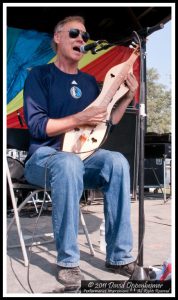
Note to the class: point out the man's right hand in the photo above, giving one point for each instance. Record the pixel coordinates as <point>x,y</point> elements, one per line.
<point>92,115</point>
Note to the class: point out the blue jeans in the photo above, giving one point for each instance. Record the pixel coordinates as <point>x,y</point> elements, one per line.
<point>67,176</point>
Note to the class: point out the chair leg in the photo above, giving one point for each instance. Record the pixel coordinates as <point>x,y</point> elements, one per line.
<point>14,204</point>
<point>34,202</point>
<point>21,206</point>
<point>86,233</point>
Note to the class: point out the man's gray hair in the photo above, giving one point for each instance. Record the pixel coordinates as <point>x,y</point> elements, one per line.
<point>60,25</point>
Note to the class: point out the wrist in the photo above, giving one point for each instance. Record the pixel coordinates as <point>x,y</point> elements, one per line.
<point>130,95</point>
<point>77,119</point>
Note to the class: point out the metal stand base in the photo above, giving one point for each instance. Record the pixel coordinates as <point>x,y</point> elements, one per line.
<point>140,274</point>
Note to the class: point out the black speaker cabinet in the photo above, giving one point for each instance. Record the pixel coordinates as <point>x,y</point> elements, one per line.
<point>123,138</point>
<point>157,150</point>
<point>153,172</point>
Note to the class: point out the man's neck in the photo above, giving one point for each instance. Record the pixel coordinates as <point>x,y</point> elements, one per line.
<point>66,67</point>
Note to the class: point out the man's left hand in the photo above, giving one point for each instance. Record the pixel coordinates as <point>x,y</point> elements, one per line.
<point>132,84</point>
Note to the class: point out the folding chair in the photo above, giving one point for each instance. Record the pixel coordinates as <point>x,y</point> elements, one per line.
<point>19,139</point>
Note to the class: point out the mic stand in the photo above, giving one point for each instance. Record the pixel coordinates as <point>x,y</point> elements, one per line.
<point>139,273</point>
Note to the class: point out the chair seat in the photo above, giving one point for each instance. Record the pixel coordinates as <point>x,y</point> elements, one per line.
<point>18,185</point>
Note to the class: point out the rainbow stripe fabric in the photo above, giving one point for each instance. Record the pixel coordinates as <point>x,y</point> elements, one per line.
<point>29,48</point>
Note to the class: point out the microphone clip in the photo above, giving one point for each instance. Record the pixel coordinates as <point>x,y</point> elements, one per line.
<point>102,47</point>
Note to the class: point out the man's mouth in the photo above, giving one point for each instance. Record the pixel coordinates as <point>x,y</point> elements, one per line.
<point>76,49</point>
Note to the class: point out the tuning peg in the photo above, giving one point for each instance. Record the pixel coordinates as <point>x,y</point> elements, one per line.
<point>133,43</point>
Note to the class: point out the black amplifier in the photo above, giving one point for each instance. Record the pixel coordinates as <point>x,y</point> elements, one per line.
<point>157,150</point>
<point>157,138</point>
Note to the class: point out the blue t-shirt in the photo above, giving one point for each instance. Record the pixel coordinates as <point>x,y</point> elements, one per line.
<point>51,93</point>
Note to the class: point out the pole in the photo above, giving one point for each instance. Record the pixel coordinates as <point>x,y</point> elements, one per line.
<point>140,273</point>
<point>142,116</point>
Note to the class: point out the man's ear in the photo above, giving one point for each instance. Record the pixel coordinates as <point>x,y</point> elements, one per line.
<point>56,38</point>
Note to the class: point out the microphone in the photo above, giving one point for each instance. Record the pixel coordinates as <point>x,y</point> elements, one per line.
<point>149,30</point>
<point>91,46</point>
<point>20,118</point>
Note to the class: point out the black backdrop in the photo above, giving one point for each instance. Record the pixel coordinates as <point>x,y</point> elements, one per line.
<point>110,23</point>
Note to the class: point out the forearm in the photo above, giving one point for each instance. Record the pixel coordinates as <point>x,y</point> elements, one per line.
<point>58,126</point>
<point>120,109</point>
<point>90,116</point>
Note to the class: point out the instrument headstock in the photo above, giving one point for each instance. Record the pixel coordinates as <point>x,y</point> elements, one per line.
<point>135,47</point>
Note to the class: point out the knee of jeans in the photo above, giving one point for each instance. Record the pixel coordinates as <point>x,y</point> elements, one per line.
<point>118,161</point>
<point>70,165</point>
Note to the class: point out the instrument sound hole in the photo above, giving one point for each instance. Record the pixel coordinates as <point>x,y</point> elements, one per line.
<point>112,75</point>
<point>94,140</point>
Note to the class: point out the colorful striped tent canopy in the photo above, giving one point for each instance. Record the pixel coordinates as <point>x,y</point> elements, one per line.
<point>29,48</point>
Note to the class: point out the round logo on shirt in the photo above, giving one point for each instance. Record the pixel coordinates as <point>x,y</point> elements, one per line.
<point>75,92</point>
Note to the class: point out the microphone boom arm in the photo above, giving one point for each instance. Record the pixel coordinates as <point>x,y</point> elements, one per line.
<point>102,47</point>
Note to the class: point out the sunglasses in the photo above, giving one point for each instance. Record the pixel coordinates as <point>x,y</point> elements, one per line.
<point>74,33</point>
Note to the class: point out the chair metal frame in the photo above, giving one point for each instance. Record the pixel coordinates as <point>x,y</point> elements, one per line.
<point>14,143</point>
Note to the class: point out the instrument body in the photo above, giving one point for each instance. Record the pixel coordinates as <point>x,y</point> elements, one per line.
<point>84,140</point>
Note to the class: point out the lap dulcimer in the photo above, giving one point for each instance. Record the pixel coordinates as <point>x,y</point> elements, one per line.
<point>84,140</point>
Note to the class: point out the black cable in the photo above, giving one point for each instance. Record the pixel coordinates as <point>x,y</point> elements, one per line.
<point>17,276</point>
<point>36,223</point>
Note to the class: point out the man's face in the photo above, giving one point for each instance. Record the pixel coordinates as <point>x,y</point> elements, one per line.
<point>69,47</point>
